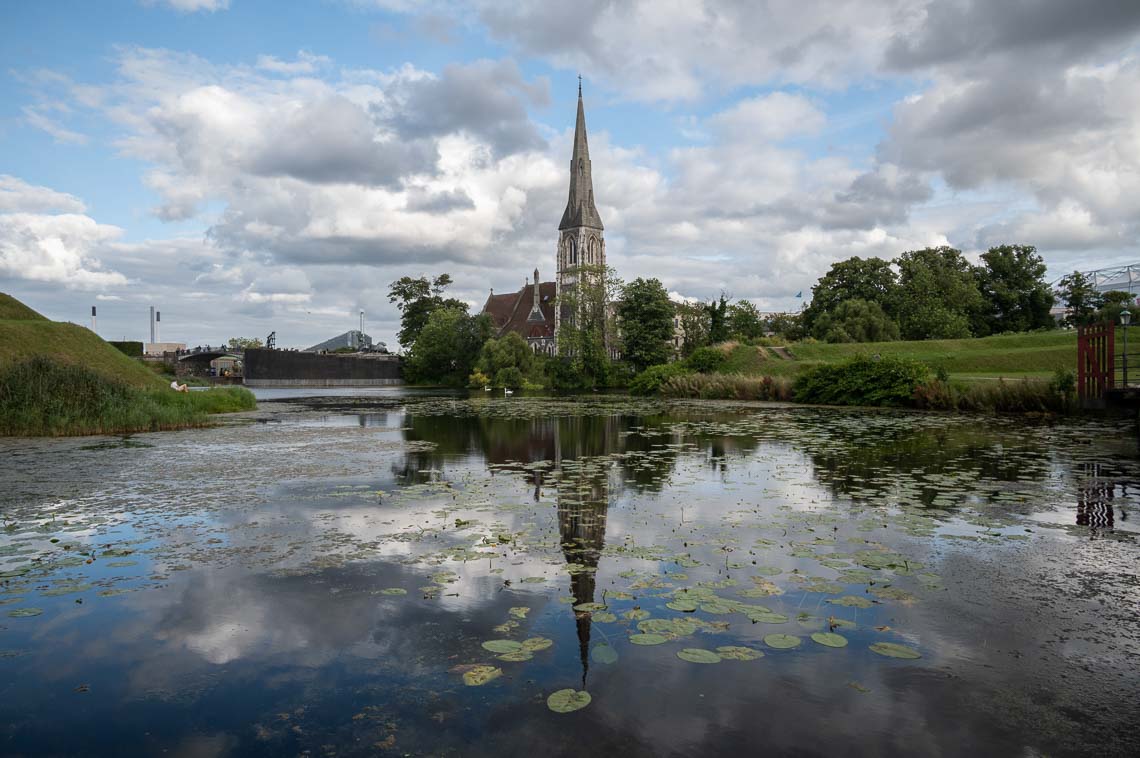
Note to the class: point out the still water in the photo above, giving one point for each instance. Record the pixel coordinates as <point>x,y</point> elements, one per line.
<point>402,573</point>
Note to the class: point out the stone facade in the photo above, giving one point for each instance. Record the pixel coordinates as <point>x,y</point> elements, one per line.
<point>531,312</point>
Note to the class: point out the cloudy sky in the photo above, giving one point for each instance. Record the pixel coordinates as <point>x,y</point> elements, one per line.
<point>249,165</point>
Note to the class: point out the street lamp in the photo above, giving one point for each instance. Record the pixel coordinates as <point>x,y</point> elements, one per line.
<point>1125,319</point>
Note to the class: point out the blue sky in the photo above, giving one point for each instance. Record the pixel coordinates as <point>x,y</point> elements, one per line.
<point>249,166</point>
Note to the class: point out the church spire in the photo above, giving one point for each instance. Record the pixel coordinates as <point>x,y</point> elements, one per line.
<point>580,208</point>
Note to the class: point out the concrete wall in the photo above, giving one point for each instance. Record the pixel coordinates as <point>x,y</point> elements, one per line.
<point>285,368</point>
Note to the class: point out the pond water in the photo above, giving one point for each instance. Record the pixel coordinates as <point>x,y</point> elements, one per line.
<point>422,574</point>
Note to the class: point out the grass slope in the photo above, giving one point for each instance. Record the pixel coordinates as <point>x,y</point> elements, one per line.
<point>12,309</point>
<point>22,339</point>
<point>1035,354</point>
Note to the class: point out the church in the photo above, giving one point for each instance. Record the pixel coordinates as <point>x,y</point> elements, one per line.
<point>531,312</point>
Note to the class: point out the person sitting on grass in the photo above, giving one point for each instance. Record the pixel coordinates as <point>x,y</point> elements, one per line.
<point>179,387</point>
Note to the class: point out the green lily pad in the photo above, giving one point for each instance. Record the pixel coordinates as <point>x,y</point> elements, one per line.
<point>718,608</point>
<point>20,613</point>
<point>894,650</point>
<point>586,607</point>
<point>533,580</point>
<point>394,591</point>
<point>565,701</point>
<point>603,653</point>
<point>516,656</point>
<point>534,644</point>
<point>851,601</point>
<point>636,614</point>
<point>782,641</point>
<point>604,617</point>
<point>830,639</point>
<point>767,617</point>
<point>684,606</point>
<point>120,564</point>
<point>648,639</point>
<point>698,655</point>
<point>738,653</point>
<point>519,612</point>
<point>502,646</point>
<point>481,675</point>
<point>9,573</point>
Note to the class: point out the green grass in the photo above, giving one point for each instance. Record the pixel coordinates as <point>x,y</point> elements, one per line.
<point>21,340</point>
<point>1030,355</point>
<point>12,309</point>
<point>45,397</point>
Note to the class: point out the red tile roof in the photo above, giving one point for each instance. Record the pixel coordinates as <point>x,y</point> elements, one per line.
<point>509,312</point>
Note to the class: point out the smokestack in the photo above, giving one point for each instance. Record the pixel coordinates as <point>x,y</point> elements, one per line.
<point>152,340</point>
<point>362,328</point>
<point>157,321</point>
<point>93,323</point>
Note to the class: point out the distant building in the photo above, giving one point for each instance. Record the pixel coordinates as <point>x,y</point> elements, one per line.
<point>157,349</point>
<point>353,338</point>
<point>531,312</point>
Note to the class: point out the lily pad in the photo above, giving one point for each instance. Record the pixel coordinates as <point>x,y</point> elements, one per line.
<point>481,675</point>
<point>895,650</point>
<point>738,653</point>
<point>684,606</point>
<point>502,646</point>
<point>698,655</point>
<point>603,653</point>
<point>516,656</point>
<point>20,613</point>
<point>636,614</point>
<point>830,639</point>
<point>394,591</point>
<point>586,607</point>
<point>604,617</point>
<point>565,701</point>
<point>519,612</point>
<point>851,601</point>
<point>767,617</point>
<point>782,641</point>
<point>648,639</point>
<point>534,644</point>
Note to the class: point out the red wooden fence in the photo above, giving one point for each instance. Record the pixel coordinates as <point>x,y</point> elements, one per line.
<point>1096,360</point>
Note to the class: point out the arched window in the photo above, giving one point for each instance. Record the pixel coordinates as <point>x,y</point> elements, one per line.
<point>571,252</point>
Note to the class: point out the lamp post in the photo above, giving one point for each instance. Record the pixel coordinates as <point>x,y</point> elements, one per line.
<point>1125,319</point>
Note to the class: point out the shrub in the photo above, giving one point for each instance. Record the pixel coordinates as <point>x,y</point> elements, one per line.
<point>478,380</point>
<point>706,360</point>
<point>727,387</point>
<point>45,397</point>
<point>862,381</point>
<point>649,381</point>
<point>1001,396</point>
<point>509,377</point>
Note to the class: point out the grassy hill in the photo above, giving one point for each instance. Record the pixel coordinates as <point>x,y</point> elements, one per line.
<point>1031,355</point>
<point>24,336</point>
<point>62,379</point>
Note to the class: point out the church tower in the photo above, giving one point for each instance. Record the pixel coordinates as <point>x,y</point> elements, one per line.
<point>580,235</point>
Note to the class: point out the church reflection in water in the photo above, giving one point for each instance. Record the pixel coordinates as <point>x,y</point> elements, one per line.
<point>582,473</point>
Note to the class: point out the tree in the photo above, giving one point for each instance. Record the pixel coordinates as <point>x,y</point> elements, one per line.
<point>1081,297</point>
<point>695,325</point>
<point>587,330</point>
<point>242,343</point>
<point>1113,303</point>
<point>447,346</point>
<point>1012,281</point>
<point>938,295</point>
<point>718,319</point>
<point>645,316</point>
<point>509,352</point>
<point>788,326</point>
<point>416,299</point>
<point>870,279</point>
<point>856,321</point>
<point>745,321</point>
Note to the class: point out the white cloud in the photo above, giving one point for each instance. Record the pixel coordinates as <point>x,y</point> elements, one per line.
<point>192,6</point>
<point>18,195</point>
<point>56,249</point>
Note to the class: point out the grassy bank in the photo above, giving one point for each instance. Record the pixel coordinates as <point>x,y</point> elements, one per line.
<point>1030,355</point>
<point>43,397</point>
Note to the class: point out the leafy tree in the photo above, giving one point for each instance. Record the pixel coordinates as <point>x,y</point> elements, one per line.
<point>587,330</point>
<point>694,324</point>
<point>509,352</point>
<point>938,295</point>
<point>645,315</point>
<point>788,326</point>
<point>509,377</point>
<point>856,321</point>
<point>1081,297</point>
<point>447,347</point>
<point>1012,281</point>
<point>416,299</point>
<point>1115,302</point>
<point>718,319</point>
<point>745,321</point>
<point>241,343</point>
<point>870,279</point>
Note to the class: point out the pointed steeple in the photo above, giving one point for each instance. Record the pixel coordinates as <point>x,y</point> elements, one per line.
<point>580,208</point>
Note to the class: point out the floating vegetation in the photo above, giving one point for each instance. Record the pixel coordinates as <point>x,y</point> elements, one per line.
<point>782,641</point>
<point>21,613</point>
<point>604,654</point>
<point>894,650</point>
<point>698,655</point>
<point>481,674</point>
<point>645,639</point>
<point>565,701</point>
<point>394,591</point>
<point>829,639</point>
<point>502,646</point>
<point>738,653</point>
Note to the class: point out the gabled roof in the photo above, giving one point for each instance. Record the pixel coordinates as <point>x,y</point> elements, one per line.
<point>511,312</point>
